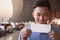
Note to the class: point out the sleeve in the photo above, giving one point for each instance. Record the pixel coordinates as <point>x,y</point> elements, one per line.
<point>20,37</point>
<point>55,27</point>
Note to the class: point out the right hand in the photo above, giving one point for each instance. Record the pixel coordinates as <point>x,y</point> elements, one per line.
<point>26,33</point>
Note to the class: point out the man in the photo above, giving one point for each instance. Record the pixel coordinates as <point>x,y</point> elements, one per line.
<point>21,26</point>
<point>41,12</point>
<point>9,28</point>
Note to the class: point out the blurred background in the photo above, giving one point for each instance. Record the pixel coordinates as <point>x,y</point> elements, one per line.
<point>16,14</point>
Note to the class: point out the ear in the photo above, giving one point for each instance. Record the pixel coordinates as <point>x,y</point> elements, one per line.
<point>33,14</point>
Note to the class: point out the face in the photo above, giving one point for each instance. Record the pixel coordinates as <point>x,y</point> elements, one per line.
<point>41,15</point>
<point>21,26</point>
<point>9,27</point>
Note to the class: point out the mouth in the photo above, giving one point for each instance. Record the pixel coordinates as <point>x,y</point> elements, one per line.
<point>41,22</point>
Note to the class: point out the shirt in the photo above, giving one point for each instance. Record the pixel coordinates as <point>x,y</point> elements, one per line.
<point>41,36</point>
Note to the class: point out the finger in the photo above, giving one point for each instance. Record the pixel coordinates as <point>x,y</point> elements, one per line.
<point>52,33</point>
<point>24,29</point>
<point>51,36</point>
<point>24,35</point>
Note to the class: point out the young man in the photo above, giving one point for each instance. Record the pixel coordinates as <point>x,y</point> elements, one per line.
<point>41,12</point>
<point>21,26</point>
<point>9,28</point>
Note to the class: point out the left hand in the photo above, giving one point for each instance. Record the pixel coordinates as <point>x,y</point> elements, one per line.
<point>54,35</point>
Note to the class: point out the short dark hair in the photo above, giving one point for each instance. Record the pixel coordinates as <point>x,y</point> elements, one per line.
<point>41,3</point>
<point>8,25</point>
<point>21,24</point>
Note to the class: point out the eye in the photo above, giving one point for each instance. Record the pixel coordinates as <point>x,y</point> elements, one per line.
<point>38,14</point>
<point>46,14</point>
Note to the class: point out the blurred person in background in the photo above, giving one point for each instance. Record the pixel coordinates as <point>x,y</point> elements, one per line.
<point>9,28</point>
<point>21,26</point>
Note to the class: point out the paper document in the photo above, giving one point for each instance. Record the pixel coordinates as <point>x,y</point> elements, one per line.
<point>42,28</point>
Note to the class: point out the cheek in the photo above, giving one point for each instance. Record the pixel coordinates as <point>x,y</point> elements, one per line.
<point>37,18</point>
<point>9,27</point>
<point>45,19</point>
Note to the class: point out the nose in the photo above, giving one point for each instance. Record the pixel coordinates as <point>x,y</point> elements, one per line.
<point>41,17</point>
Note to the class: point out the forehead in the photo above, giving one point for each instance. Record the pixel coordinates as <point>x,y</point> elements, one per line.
<point>9,26</point>
<point>41,10</point>
<point>21,25</point>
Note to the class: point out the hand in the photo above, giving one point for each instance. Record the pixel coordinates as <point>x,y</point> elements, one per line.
<point>54,35</point>
<point>26,33</point>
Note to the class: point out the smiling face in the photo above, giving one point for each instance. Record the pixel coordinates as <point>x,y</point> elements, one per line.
<point>41,15</point>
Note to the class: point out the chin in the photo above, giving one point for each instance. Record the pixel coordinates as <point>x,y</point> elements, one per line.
<point>40,23</point>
